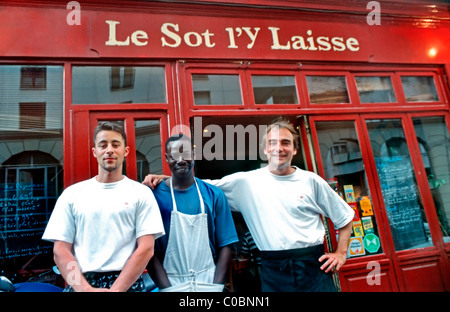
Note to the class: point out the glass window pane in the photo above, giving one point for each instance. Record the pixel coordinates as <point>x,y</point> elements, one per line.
<point>31,161</point>
<point>216,89</point>
<point>434,141</point>
<point>344,171</point>
<point>402,200</point>
<point>118,84</point>
<point>148,148</point>
<point>274,89</point>
<point>30,109</point>
<point>375,89</point>
<point>327,89</point>
<point>419,89</point>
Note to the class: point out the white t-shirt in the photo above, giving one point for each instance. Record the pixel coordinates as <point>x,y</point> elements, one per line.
<point>284,212</point>
<point>103,221</point>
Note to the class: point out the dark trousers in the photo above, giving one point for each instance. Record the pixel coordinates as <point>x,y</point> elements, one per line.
<point>106,279</point>
<point>295,270</point>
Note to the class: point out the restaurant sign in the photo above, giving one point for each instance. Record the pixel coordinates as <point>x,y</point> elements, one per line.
<point>207,37</point>
<point>45,32</point>
<point>171,37</point>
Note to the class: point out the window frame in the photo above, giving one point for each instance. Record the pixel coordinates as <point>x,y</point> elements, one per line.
<point>437,85</point>
<point>189,87</point>
<point>246,70</point>
<point>157,105</point>
<point>349,82</point>
<point>395,87</point>
<point>271,72</point>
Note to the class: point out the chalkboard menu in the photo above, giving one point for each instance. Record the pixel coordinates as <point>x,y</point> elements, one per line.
<point>401,200</point>
<point>24,211</point>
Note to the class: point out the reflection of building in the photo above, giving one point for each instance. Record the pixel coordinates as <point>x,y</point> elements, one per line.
<point>117,84</point>
<point>31,157</point>
<point>31,98</point>
<point>343,158</point>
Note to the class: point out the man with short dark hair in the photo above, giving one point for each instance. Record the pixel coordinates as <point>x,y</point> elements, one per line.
<point>104,228</point>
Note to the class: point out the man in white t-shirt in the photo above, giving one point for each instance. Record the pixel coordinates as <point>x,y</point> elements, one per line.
<point>282,206</point>
<point>104,228</point>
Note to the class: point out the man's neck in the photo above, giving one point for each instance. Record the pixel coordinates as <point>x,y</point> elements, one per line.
<point>282,171</point>
<point>109,177</point>
<point>182,183</point>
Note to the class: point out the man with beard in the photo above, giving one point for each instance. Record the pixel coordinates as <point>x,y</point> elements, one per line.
<point>282,206</point>
<point>195,254</point>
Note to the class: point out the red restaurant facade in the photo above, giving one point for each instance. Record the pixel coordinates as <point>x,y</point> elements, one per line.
<point>366,84</point>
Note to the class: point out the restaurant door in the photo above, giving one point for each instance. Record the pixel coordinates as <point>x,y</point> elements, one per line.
<point>394,171</point>
<point>146,132</point>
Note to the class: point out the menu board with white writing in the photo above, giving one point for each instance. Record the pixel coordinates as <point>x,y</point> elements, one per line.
<point>401,200</point>
<point>24,214</point>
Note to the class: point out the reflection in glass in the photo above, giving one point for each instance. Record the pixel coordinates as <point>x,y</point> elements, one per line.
<point>31,160</point>
<point>434,141</point>
<point>375,89</point>
<point>419,89</point>
<point>402,200</point>
<point>31,104</point>
<point>274,90</point>
<point>118,84</point>
<point>345,173</point>
<point>327,89</point>
<point>216,89</point>
<point>33,77</point>
<point>148,148</point>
